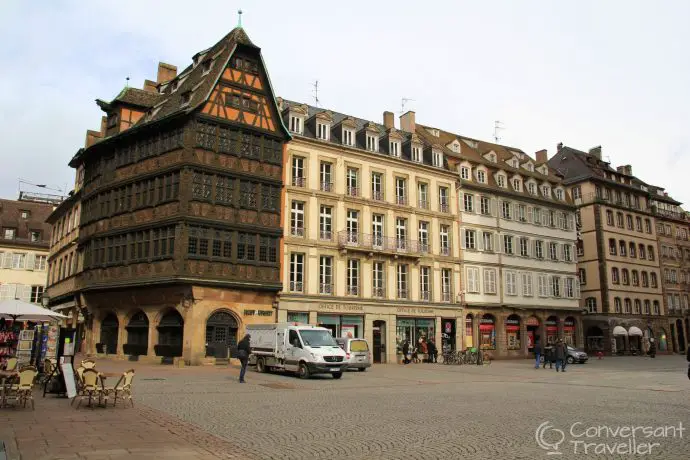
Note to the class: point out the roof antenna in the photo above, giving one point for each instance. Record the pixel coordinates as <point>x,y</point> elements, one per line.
<point>316,93</point>
<point>127,82</point>
<point>404,101</point>
<point>497,127</point>
<point>239,18</point>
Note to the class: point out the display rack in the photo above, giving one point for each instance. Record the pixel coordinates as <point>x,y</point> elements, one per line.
<point>8,346</point>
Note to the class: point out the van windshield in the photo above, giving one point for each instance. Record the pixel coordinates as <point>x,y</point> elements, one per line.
<point>317,338</point>
<point>358,345</point>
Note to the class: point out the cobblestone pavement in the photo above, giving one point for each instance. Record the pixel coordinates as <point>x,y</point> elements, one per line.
<point>420,411</point>
<point>428,411</point>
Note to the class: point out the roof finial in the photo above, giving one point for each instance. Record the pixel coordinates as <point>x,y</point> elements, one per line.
<point>239,18</point>
<point>127,82</point>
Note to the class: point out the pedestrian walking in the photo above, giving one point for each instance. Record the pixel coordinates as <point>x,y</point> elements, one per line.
<point>548,356</point>
<point>243,351</point>
<point>537,354</point>
<point>559,354</point>
<point>652,348</point>
<point>432,350</point>
<point>565,355</point>
<point>406,351</point>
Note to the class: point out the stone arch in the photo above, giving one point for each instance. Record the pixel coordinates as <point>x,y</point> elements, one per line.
<point>680,331</point>
<point>570,331</point>
<point>137,327</point>
<point>170,326</point>
<point>513,326</point>
<point>663,340</point>
<point>551,329</point>
<point>487,332</point>
<point>222,329</point>
<point>109,333</point>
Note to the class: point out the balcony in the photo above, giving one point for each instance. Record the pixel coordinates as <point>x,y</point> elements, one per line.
<point>401,200</point>
<point>327,186</point>
<point>444,207</point>
<point>370,243</point>
<point>326,235</point>
<point>446,296</point>
<point>379,292</point>
<point>297,232</point>
<point>299,181</point>
<point>425,296</point>
<point>377,195</point>
<point>402,293</point>
<point>423,204</point>
<point>353,191</point>
<point>424,247</point>
<point>352,290</point>
<point>296,286</point>
<point>445,250</point>
<point>326,289</point>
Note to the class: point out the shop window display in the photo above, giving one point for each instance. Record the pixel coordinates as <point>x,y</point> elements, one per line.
<point>512,324</point>
<point>413,329</point>
<point>551,330</point>
<point>532,324</point>
<point>343,325</point>
<point>469,331</point>
<point>298,317</point>
<point>569,331</point>
<point>487,332</point>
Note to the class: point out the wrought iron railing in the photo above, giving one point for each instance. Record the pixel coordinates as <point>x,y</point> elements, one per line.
<point>297,231</point>
<point>296,286</point>
<point>401,200</point>
<point>378,292</point>
<point>299,181</point>
<point>326,235</point>
<point>326,186</point>
<point>326,289</point>
<point>357,240</point>
<point>377,195</point>
<point>423,204</point>
<point>353,191</point>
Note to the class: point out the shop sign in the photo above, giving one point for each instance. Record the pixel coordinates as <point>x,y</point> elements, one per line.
<point>448,327</point>
<point>405,322</point>
<point>513,322</point>
<point>416,311</point>
<point>512,325</point>
<point>258,312</point>
<point>425,323</point>
<point>569,325</point>
<point>486,321</point>
<point>532,321</point>
<point>550,322</point>
<point>340,307</point>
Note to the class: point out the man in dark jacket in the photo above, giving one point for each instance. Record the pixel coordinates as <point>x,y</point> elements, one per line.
<point>652,348</point>
<point>243,351</point>
<point>432,350</point>
<point>537,354</point>
<point>549,355</point>
<point>559,352</point>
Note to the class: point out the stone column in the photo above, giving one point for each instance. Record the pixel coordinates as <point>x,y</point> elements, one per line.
<point>153,337</point>
<point>391,344</point>
<point>369,330</point>
<point>523,336</point>
<point>313,318</point>
<point>121,334</point>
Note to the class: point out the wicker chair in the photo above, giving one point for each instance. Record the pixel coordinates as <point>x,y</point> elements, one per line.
<point>11,364</point>
<point>122,389</point>
<point>22,391</point>
<point>88,363</point>
<point>92,387</point>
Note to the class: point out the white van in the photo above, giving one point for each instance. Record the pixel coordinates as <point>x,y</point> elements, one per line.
<point>295,347</point>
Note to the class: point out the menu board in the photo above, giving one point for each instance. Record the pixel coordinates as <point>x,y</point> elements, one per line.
<point>68,374</point>
<point>25,345</point>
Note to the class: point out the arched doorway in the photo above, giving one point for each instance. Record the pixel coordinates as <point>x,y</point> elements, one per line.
<point>635,339</point>
<point>551,329</point>
<point>569,332</point>
<point>469,331</point>
<point>109,332</point>
<point>512,326</point>
<point>595,339</point>
<point>533,336</point>
<point>663,341</point>
<point>620,338</point>
<point>221,333</point>
<point>680,330</point>
<point>170,333</point>
<point>379,344</point>
<point>487,332</point>
<point>137,335</point>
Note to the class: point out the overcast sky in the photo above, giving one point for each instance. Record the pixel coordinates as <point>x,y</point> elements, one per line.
<point>585,73</point>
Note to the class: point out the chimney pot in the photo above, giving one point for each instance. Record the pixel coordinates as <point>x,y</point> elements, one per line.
<point>166,72</point>
<point>388,120</point>
<point>150,86</point>
<point>407,122</point>
<point>559,146</point>
<point>542,155</point>
<point>596,152</point>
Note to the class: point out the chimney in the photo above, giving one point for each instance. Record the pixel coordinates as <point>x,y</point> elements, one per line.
<point>596,152</point>
<point>407,123</point>
<point>542,156</point>
<point>166,72</point>
<point>388,120</point>
<point>559,147</point>
<point>150,86</point>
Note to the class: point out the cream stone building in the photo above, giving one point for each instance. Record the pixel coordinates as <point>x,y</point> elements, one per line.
<point>370,227</point>
<point>517,241</point>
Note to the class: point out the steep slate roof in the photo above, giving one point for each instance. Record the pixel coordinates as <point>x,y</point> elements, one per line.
<point>360,124</point>
<point>138,97</point>
<point>10,217</point>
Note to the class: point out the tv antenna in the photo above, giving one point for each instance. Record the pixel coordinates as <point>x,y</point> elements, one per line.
<point>316,93</point>
<point>498,126</point>
<point>404,101</point>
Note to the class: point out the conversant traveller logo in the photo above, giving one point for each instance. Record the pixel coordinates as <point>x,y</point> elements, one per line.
<point>604,439</point>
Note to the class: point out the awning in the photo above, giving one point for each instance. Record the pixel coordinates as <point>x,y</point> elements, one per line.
<point>19,310</point>
<point>618,330</point>
<point>635,331</point>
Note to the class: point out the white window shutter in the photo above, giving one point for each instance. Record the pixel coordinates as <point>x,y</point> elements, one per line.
<point>492,207</point>
<point>12,294</point>
<point>549,286</point>
<point>529,214</point>
<point>2,259</point>
<point>25,293</point>
<point>480,240</point>
<point>7,263</point>
<point>462,238</point>
<point>30,260</point>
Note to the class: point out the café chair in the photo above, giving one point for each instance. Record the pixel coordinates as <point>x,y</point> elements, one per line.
<point>122,389</point>
<point>23,389</point>
<point>92,387</point>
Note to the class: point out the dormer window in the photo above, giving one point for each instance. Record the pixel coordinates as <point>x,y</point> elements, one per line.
<point>322,131</point>
<point>434,132</point>
<point>372,143</point>
<point>174,85</point>
<point>529,167</point>
<point>186,98</point>
<point>348,135</point>
<point>501,181</point>
<point>465,173</point>
<point>514,163</point>
<point>517,185</point>
<point>532,188</point>
<point>559,194</point>
<point>437,158</point>
<point>481,176</point>
<point>296,123</point>
<point>416,153</point>
<point>206,66</point>
<point>546,191</point>
<point>492,158</point>
<point>394,148</point>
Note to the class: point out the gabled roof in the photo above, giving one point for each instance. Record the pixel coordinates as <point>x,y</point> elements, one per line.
<point>138,97</point>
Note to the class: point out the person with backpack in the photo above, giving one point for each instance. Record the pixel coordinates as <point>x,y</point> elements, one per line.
<point>243,351</point>
<point>537,354</point>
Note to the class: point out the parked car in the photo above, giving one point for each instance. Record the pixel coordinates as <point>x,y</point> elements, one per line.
<point>357,355</point>
<point>576,356</point>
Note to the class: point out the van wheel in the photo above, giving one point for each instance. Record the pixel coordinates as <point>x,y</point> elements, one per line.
<point>362,369</point>
<point>303,371</point>
<point>337,375</point>
<point>260,366</point>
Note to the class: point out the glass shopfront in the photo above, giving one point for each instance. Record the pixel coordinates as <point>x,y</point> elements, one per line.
<point>469,331</point>
<point>413,329</point>
<point>532,324</point>
<point>513,332</point>
<point>551,330</point>
<point>487,332</point>
<point>298,317</point>
<point>448,335</point>
<point>569,331</point>
<point>342,325</point>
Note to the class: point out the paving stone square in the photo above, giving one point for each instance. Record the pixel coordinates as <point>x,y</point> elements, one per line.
<point>419,411</point>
